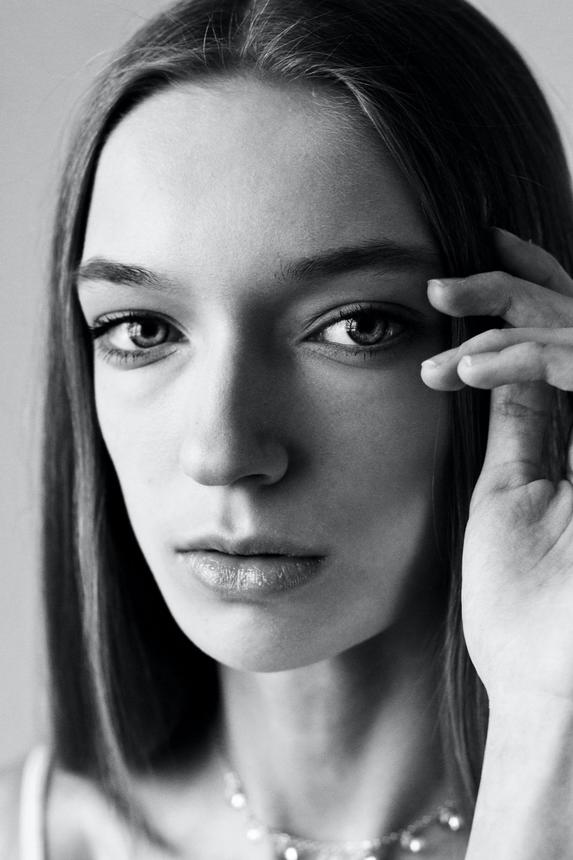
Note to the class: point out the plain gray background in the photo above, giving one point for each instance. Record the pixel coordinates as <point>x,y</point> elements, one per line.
<point>49,51</point>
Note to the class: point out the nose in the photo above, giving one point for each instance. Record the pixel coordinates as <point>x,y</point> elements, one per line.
<point>232,430</point>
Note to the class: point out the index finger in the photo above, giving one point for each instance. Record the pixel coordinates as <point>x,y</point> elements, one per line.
<point>497,294</point>
<point>531,262</point>
<point>532,290</point>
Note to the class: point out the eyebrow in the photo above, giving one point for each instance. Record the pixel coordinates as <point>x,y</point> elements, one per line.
<point>102,269</point>
<point>392,255</point>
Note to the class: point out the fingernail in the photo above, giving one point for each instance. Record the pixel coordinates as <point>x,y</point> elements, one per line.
<point>436,285</point>
<point>435,361</point>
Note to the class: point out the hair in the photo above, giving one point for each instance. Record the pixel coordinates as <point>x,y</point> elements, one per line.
<point>458,110</point>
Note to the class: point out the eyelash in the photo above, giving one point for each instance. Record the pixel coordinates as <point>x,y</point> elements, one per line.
<point>131,358</point>
<point>351,312</point>
<point>128,357</point>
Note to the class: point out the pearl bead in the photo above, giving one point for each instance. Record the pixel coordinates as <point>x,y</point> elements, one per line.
<point>453,820</point>
<point>290,853</point>
<point>412,843</point>
<point>238,800</point>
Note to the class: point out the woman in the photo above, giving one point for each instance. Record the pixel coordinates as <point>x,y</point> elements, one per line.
<point>256,502</point>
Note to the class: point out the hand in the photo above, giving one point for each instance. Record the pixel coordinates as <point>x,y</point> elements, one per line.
<point>517,587</point>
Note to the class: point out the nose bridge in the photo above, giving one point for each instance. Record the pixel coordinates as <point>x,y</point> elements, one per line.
<point>231,429</point>
<point>232,391</point>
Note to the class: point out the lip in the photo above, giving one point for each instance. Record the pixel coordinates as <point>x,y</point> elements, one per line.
<point>248,546</point>
<point>249,568</point>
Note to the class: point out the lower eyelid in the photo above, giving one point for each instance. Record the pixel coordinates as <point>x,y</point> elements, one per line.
<point>133,358</point>
<point>140,356</point>
<point>102,329</point>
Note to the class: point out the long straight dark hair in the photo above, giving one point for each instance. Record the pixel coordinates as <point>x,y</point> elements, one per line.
<point>458,110</point>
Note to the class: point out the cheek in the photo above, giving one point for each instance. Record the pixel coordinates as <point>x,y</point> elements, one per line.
<point>364,489</point>
<point>370,443</point>
<point>140,427</point>
<point>382,451</point>
<point>381,433</point>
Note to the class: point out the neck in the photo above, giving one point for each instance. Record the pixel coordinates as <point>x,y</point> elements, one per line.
<point>345,749</point>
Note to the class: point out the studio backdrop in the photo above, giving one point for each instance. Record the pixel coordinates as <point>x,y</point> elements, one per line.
<point>50,50</point>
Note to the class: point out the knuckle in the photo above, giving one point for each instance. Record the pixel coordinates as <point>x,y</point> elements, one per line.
<point>492,339</point>
<point>552,269</point>
<point>503,292</point>
<point>512,407</point>
<point>537,349</point>
<point>529,349</point>
<point>534,356</point>
<point>501,278</point>
<point>543,356</point>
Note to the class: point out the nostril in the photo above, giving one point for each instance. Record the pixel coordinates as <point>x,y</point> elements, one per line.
<point>225,461</point>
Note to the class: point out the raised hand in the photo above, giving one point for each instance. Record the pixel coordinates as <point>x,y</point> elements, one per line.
<point>517,594</point>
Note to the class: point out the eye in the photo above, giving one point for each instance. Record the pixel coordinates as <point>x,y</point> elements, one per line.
<point>361,328</point>
<point>139,334</point>
<point>133,337</point>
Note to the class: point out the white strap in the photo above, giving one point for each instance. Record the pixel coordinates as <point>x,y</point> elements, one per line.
<point>32,804</point>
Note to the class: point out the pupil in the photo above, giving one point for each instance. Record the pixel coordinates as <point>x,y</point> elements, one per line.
<point>366,328</point>
<point>146,333</point>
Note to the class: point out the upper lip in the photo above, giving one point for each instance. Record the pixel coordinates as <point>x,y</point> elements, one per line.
<point>248,546</point>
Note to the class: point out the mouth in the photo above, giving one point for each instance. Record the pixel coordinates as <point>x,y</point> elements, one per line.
<point>249,568</point>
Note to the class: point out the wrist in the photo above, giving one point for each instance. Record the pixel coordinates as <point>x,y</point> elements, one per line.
<point>528,715</point>
<point>525,797</point>
<point>529,739</point>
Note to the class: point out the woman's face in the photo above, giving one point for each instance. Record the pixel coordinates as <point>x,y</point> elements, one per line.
<point>255,271</point>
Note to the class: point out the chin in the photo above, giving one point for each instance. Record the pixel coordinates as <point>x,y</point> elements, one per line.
<point>285,629</point>
<point>255,649</point>
<point>254,641</point>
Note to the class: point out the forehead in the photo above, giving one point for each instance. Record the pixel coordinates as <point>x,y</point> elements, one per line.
<point>242,173</point>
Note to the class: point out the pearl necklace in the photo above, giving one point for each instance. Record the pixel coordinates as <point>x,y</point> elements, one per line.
<point>285,846</point>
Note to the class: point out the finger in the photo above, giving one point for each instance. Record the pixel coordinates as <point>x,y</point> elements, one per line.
<point>440,372</point>
<point>519,416</point>
<point>499,294</point>
<point>522,378</point>
<point>531,262</point>
<point>522,362</point>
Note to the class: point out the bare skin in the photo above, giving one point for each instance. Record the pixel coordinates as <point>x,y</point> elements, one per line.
<point>518,554</point>
<point>329,690</point>
<point>322,749</point>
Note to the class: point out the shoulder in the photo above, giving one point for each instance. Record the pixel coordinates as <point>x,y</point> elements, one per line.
<point>80,822</point>
<point>10,786</point>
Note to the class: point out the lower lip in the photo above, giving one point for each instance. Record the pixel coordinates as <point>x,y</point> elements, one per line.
<point>255,575</point>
